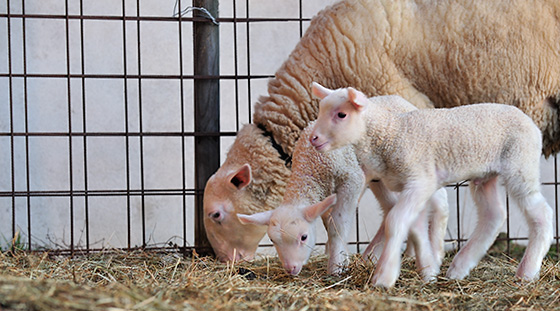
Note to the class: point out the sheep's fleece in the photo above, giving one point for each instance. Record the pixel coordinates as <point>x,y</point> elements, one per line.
<point>432,53</point>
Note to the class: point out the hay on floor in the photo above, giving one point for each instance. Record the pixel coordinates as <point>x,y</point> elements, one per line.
<point>154,281</point>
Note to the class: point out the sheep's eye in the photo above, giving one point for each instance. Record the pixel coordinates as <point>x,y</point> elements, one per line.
<point>304,237</point>
<point>216,215</point>
<point>341,115</point>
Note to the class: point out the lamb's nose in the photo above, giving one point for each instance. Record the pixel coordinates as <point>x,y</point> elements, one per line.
<point>313,138</point>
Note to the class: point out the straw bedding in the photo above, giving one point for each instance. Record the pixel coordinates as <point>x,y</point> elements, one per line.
<point>116,280</point>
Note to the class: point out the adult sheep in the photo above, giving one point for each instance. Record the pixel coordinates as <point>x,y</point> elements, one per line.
<point>432,53</point>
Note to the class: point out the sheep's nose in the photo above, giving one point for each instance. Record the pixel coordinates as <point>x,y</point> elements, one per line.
<point>292,269</point>
<point>313,139</point>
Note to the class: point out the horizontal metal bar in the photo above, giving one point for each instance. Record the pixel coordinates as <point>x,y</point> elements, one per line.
<point>116,192</point>
<point>118,134</point>
<point>134,76</point>
<point>154,18</point>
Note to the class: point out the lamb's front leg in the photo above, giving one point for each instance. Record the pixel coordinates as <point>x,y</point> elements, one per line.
<point>338,225</point>
<point>387,199</point>
<point>439,207</point>
<point>397,225</point>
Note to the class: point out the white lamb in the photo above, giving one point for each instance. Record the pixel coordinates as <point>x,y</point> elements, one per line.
<point>420,151</point>
<point>316,176</point>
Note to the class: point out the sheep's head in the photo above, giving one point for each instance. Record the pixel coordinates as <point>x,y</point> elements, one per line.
<point>340,119</point>
<point>225,191</point>
<point>292,231</point>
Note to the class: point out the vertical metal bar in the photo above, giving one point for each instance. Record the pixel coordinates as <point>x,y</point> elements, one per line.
<point>458,187</point>
<point>508,237</point>
<point>183,151</point>
<point>236,65</point>
<point>127,137</point>
<point>84,122</point>
<point>301,27</point>
<point>142,187</point>
<point>70,137</point>
<point>206,109</point>
<point>248,61</point>
<point>556,205</point>
<point>11,91</point>
<point>27,174</point>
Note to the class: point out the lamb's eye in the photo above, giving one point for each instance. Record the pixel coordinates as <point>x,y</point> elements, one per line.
<point>216,215</point>
<point>341,115</point>
<point>304,237</point>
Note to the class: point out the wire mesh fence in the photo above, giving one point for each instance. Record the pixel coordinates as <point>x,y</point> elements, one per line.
<point>98,120</point>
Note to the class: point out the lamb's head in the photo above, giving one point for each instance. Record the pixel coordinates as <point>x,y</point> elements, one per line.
<point>340,120</point>
<point>292,231</point>
<point>225,191</point>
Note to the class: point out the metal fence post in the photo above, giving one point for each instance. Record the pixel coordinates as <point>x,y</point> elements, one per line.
<point>206,108</point>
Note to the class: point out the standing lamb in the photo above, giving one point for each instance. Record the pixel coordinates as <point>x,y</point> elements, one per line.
<point>420,151</point>
<point>291,226</point>
<point>432,53</point>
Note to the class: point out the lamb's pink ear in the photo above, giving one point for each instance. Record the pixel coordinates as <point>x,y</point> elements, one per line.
<point>261,219</point>
<point>357,98</point>
<point>241,178</point>
<point>319,91</point>
<point>312,212</point>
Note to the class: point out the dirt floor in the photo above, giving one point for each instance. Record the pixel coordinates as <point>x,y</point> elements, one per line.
<point>115,280</point>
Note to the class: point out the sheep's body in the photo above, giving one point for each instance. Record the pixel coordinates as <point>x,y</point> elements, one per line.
<point>432,53</point>
<point>316,176</point>
<point>419,151</point>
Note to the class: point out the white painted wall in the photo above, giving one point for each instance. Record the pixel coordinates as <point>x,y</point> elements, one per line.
<point>269,45</point>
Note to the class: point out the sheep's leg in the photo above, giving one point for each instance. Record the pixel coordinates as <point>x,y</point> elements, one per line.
<point>438,224</point>
<point>339,224</point>
<point>420,240</point>
<point>387,199</point>
<point>491,216</point>
<point>397,225</point>
<point>539,218</point>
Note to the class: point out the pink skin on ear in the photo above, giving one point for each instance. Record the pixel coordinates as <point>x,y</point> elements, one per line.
<point>242,177</point>
<point>319,91</point>
<point>314,211</point>
<point>260,219</point>
<point>357,98</point>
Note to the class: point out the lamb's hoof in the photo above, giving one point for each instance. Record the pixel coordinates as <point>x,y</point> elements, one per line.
<point>456,274</point>
<point>430,277</point>
<point>336,269</point>
<point>383,281</point>
<point>527,276</point>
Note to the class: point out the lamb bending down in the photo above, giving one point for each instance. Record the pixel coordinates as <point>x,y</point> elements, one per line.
<point>292,226</point>
<point>420,151</point>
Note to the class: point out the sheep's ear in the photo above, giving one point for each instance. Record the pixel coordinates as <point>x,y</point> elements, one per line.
<point>357,98</point>
<point>319,91</point>
<point>261,219</point>
<point>241,178</point>
<point>312,212</point>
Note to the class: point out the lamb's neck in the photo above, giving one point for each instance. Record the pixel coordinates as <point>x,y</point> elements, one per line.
<point>305,191</point>
<point>376,141</point>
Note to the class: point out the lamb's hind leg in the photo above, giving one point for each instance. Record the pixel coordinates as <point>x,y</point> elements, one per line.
<point>539,218</point>
<point>491,216</point>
